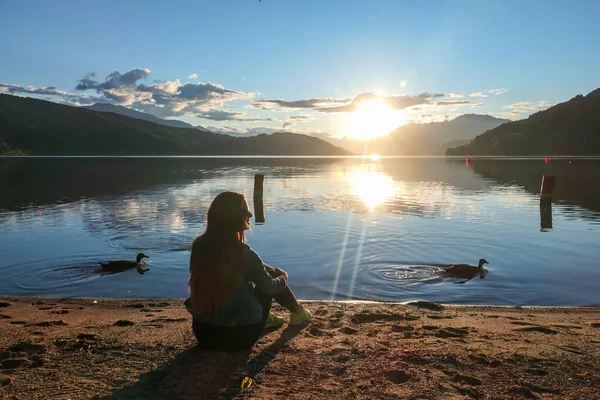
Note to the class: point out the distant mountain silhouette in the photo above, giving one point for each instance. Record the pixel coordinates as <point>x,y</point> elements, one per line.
<point>569,128</point>
<point>128,112</point>
<point>426,139</point>
<point>39,127</point>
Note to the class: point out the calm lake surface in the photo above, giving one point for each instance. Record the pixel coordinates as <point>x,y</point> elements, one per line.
<point>343,228</point>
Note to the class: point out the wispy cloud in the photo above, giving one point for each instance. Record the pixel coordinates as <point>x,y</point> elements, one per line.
<point>522,109</point>
<point>287,124</point>
<point>394,102</point>
<point>530,106</point>
<point>68,98</point>
<point>427,117</point>
<point>301,117</point>
<point>253,131</point>
<point>458,103</point>
<point>479,94</point>
<point>296,104</point>
<point>222,115</point>
<point>345,105</point>
<point>512,115</point>
<point>193,76</point>
<point>235,131</point>
<point>498,91</point>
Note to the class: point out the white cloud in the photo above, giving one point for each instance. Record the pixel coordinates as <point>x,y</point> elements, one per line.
<point>233,131</point>
<point>523,108</point>
<point>529,106</point>
<point>164,99</point>
<point>301,117</point>
<point>193,76</point>
<point>222,115</point>
<point>47,92</point>
<point>454,96</point>
<point>519,105</point>
<point>427,118</point>
<point>498,91</point>
<point>512,115</point>
<point>458,103</point>
<point>478,94</point>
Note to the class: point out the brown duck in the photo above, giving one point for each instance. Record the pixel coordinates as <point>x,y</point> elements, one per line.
<point>466,270</point>
<point>124,265</point>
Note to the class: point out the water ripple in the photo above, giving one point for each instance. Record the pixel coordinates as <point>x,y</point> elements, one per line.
<point>49,275</point>
<point>152,241</point>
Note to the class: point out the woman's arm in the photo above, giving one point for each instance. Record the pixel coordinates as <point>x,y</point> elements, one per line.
<point>261,273</point>
<point>269,269</point>
<point>276,271</point>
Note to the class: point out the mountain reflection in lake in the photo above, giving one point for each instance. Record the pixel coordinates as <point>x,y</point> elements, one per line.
<point>343,228</point>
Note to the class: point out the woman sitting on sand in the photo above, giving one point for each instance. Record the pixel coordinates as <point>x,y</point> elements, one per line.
<point>229,313</point>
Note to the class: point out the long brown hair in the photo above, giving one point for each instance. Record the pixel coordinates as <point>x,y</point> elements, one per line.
<point>216,260</point>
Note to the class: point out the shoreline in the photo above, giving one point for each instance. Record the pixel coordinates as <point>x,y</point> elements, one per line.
<point>284,156</point>
<point>144,348</point>
<point>315,301</point>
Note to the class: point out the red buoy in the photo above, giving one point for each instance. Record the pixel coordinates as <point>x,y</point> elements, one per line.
<point>547,160</point>
<point>468,160</point>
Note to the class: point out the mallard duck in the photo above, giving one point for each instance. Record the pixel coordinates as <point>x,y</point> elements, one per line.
<point>124,265</point>
<point>466,270</point>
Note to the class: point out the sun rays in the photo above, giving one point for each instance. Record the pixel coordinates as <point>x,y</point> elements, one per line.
<point>373,188</point>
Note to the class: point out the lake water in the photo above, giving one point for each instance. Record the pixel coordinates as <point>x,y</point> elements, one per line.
<point>343,228</point>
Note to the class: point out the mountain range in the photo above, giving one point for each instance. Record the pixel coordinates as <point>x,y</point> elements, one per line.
<point>569,128</point>
<point>425,139</point>
<point>128,112</point>
<point>39,127</point>
<point>411,139</point>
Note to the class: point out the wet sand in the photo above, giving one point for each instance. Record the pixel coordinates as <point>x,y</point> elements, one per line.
<point>144,349</point>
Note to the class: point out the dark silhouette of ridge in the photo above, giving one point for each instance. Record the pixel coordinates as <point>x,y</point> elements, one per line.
<point>569,128</point>
<point>128,112</point>
<point>39,127</point>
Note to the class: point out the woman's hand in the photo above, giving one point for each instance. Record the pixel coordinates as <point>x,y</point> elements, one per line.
<point>281,272</point>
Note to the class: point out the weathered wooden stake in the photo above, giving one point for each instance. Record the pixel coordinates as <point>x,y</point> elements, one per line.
<point>547,188</point>
<point>545,216</point>
<point>259,212</point>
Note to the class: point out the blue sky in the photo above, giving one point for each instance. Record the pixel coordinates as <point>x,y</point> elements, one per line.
<point>541,52</point>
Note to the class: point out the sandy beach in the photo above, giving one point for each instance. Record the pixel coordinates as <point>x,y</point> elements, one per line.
<point>144,349</point>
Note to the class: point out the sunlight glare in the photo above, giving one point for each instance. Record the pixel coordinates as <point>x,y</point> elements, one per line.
<point>373,118</point>
<point>372,187</point>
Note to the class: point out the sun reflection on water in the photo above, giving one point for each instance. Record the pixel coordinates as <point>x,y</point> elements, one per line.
<point>371,186</point>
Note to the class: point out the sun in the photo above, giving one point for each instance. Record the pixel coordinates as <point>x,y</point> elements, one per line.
<point>372,118</point>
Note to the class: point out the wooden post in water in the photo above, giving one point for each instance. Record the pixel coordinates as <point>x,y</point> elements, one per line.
<point>547,188</point>
<point>259,212</point>
<point>545,216</point>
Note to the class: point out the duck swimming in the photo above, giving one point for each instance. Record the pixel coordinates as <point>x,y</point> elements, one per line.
<point>124,265</point>
<point>466,270</point>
